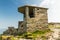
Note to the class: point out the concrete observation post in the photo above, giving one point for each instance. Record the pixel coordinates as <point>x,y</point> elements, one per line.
<point>35,18</point>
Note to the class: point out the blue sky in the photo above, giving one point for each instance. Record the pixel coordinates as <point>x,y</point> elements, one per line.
<point>9,15</point>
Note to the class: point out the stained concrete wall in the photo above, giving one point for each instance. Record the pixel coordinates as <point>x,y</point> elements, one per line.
<point>39,22</point>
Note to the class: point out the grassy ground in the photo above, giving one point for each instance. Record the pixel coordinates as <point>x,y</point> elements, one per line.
<point>35,34</point>
<point>28,35</point>
<point>9,37</point>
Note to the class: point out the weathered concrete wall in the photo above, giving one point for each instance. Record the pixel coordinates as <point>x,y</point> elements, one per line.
<point>40,21</point>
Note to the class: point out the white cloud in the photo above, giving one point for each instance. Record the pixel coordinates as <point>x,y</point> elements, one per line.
<point>34,5</point>
<point>53,11</point>
<point>44,3</point>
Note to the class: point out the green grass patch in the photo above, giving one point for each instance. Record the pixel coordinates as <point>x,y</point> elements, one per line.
<point>33,35</point>
<point>41,32</point>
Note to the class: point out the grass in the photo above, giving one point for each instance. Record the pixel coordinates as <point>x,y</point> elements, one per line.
<point>35,34</point>
<point>29,35</point>
<point>10,37</point>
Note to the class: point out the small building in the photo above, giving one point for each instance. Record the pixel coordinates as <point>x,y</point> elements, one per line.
<point>35,18</point>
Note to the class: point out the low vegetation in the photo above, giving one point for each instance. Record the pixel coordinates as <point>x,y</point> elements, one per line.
<point>35,34</point>
<point>28,35</point>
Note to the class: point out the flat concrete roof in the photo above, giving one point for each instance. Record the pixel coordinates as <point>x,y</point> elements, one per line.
<point>22,8</point>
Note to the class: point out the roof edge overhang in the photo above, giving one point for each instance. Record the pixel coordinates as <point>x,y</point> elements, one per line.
<point>22,8</point>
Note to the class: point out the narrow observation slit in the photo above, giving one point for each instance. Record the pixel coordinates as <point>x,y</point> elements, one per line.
<point>31,13</point>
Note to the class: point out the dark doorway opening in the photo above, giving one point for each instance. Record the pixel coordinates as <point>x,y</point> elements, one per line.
<point>31,13</point>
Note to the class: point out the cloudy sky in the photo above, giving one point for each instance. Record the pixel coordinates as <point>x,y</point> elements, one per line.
<point>9,15</point>
<point>53,11</point>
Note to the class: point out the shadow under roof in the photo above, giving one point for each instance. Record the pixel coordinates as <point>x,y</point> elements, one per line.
<point>22,8</point>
